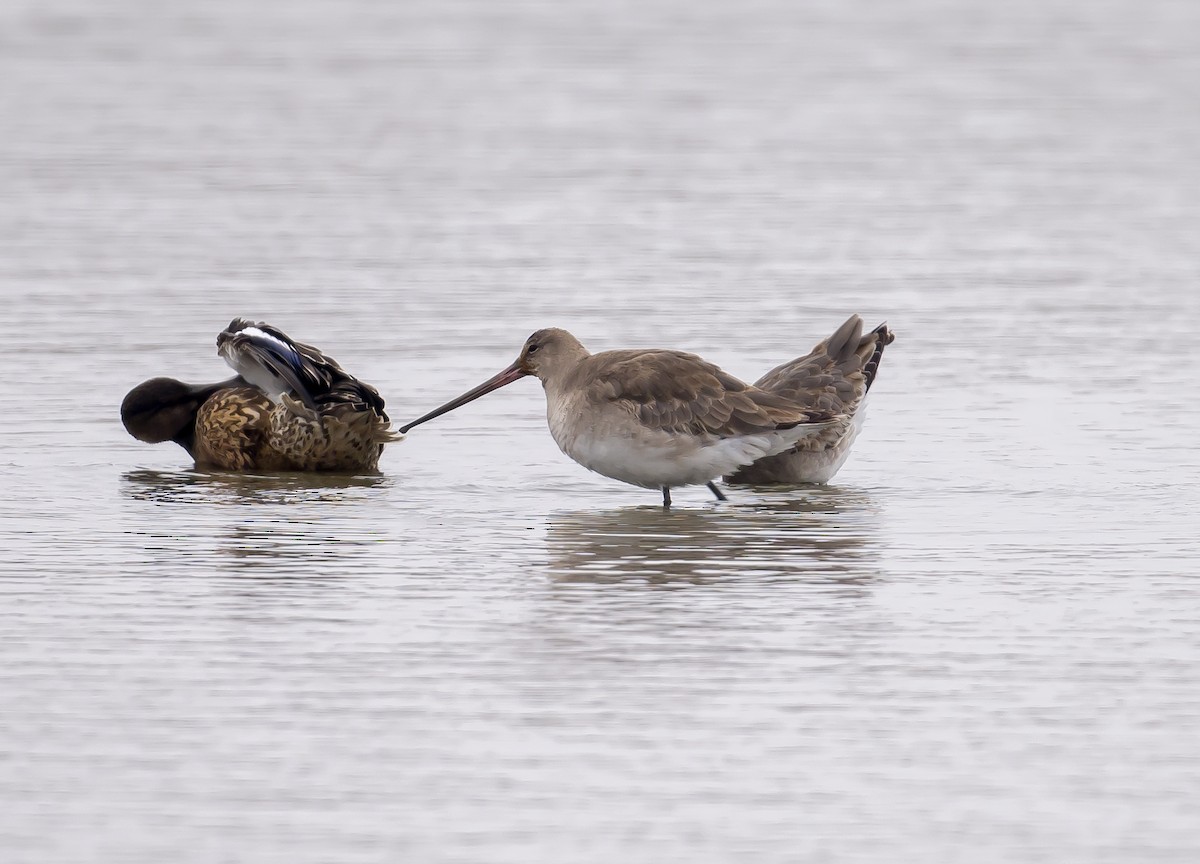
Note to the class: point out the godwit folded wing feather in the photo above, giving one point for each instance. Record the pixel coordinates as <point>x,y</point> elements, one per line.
<point>681,393</point>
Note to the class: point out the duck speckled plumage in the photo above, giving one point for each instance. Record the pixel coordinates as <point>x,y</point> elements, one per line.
<point>833,378</point>
<point>291,408</point>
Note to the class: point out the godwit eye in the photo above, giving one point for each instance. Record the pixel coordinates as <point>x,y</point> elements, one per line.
<point>533,348</point>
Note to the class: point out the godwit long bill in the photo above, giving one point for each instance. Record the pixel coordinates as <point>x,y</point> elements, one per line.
<point>653,418</point>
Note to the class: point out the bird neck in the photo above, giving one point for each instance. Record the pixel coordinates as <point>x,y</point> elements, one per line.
<point>566,371</point>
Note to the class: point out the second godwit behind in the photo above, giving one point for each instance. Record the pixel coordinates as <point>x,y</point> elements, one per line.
<point>653,418</point>
<point>834,377</point>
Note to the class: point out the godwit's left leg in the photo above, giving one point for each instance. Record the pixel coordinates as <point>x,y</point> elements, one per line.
<point>666,496</point>
<point>720,495</point>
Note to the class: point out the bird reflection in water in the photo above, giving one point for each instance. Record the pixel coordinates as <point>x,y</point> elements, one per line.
<point>293,529</point>
<point>815,535</point>
<point>228,487</point>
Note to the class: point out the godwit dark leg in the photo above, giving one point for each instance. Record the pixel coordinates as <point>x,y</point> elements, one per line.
<point>666,496</point>
<point>720,495</point>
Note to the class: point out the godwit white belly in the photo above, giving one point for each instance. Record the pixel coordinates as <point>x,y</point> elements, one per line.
<point>801,466</point>
<point>653,458</point>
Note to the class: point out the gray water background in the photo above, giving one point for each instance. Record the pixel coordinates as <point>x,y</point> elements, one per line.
<point>981,643</point>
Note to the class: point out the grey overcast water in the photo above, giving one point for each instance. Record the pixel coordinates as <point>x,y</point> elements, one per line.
<point>981,643</point>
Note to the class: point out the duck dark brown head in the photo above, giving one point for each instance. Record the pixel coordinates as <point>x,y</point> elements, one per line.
<point>164,409</point>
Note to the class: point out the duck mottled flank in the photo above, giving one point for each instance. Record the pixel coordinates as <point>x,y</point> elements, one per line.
<point>291,408</point>
<point>835,378</point>
<point>655,418</point>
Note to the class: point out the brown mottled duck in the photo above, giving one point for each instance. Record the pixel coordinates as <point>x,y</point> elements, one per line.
<point>290,408</point>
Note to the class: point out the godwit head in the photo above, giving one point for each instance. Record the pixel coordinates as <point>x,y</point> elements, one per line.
<point>652,418</point>
<point>549,354</point>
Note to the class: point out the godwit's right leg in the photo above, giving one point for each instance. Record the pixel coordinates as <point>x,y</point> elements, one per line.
<point>666,496</point>
<point>720,495</point>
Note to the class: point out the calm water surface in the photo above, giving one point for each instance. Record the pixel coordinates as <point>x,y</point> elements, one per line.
<point>982,643</point>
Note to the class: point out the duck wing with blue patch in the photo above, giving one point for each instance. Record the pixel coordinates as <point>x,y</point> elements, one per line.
<point>271,361</point>
<point>337,386</point>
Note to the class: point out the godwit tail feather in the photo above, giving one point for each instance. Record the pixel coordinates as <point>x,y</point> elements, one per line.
<point>883,337</point>
<point>836,374</point>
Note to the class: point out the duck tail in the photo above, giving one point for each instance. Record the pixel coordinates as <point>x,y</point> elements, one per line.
<point>385,435</point>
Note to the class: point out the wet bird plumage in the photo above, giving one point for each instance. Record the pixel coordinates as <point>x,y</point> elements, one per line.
<point>291,408</point>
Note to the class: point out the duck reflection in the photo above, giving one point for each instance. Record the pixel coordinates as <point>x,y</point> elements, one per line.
<point>227,487</point>
<point>305,528</point>
<point>818,534</point>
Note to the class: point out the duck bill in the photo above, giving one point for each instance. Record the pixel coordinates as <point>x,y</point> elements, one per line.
<point>508,376</point>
